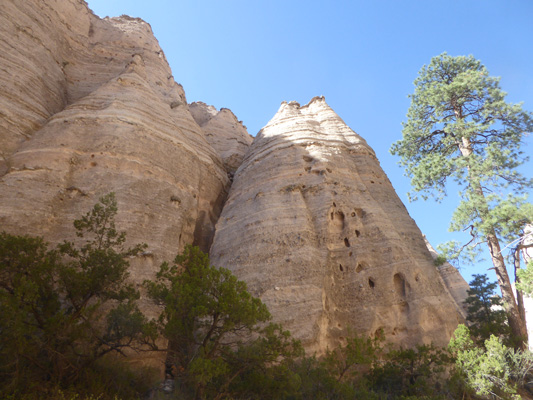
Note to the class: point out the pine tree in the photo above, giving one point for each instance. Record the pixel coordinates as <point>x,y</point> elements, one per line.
<point>217,331</point>
<point>485,310</point>
<point>460,128</point>
<point>62,309</point>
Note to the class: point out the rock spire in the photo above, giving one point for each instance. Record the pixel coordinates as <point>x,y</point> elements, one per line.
<point>315,228</point>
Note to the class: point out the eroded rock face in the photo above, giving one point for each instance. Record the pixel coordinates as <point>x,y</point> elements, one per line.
<point>224,132</point>
<point>453,281</point>
<point>89,106</point>
<point>314,227</point>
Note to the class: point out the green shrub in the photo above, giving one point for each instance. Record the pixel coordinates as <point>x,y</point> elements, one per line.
<point>491,371</point>
<point>63,309</point>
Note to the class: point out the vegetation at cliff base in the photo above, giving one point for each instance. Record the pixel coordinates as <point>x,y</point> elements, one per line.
<point>220,343</point>
<point>485,311</point>
<point>65,310</point>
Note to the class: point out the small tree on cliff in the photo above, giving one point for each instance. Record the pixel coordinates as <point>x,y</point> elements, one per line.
<point>62,309</point>
<point>220,344</point>
<point>460,127</point>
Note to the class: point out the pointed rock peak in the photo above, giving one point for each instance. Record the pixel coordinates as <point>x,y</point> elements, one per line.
<point>203,113</point>
<point>224,132</point>
<point>314,121</point>
<point>129,24</point>
<point>317,100</point>
<point>293,108</point>
<point>295,104</point>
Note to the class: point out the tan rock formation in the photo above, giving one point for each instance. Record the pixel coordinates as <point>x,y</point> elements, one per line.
<point>224,132</point>
<point>89,106</point>
<point>314,227</point>
<point>453,281</point>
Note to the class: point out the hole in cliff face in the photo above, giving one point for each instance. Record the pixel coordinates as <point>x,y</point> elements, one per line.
<point>334,204</point>
<point>346,242</point>
<point>350,254</point>
<point>307,158</point>
<point>359,212</point>
<point>379,333</point>
<point>338,220</point>
<point>357,233</point>
<point>371,283</point>
<point>341,268</point>
<point>400,285</point>
<point>359,268</point>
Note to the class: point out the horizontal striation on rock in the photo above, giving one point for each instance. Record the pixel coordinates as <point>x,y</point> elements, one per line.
<point>94,108</point>
<point>315,228</point>
<point>453,281</point>
<point>53,53</point>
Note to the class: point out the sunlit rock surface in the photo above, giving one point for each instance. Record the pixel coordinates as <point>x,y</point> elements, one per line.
<point>314,227</point>
<point>89,106</point>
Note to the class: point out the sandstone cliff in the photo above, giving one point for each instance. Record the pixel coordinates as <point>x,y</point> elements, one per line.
<point>224,132</point>
<point>453,280</point>
<point>89,106</point>
<point>314,227</point>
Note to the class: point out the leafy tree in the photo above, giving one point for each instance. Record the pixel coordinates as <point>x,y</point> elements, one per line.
<point>492,371</point>
<point>30,310</point>
<point>459,127</point>
<point>485,311</point>
<point>340,373</point>
<point>96,274</point>
<point>526,280</point>
<point>358,351</point>
<point>411,372</point>
<point>62,309</point>
<point>218,341</point>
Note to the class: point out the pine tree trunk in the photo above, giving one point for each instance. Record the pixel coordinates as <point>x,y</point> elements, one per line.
<point>517,325</point>
<point>519,295</point>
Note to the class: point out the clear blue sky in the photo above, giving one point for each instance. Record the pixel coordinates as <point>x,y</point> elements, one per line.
<point>362,55</point>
